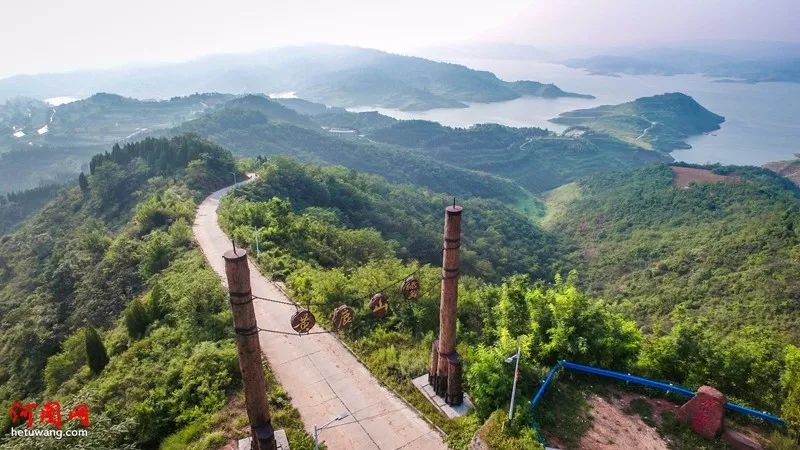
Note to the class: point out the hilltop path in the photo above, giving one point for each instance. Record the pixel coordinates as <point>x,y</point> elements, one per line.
<point>323,378</point>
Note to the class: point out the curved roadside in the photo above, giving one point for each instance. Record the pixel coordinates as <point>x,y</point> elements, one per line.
<point>322,377</point>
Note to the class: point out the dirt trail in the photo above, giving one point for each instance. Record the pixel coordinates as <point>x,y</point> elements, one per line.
<point>613,429</point>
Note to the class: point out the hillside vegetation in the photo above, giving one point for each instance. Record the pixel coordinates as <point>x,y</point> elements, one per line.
<point>696,289</point>
<point>705,270</point>
<point>58,141</point>
<point>251,133</point>
<point>104,300</point>
<point>536,159</point>
<point>501,240</point>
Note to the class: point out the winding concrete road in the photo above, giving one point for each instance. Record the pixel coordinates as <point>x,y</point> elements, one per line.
<point>323,378</point>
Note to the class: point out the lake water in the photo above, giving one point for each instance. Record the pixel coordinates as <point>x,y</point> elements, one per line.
<point>761,120</point>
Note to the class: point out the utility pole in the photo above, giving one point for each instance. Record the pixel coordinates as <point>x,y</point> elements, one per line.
<point>445,372</point>
<point>509,360</point>
<point>249,349</point>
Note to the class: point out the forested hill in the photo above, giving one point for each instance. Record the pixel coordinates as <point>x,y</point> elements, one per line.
<point>41,143</point>
<point>251,133</point>
<point>15,207</point>
<point>710,268</point>
<point>536,159</point>
<point>500,241</point>
<point>661,122</point>
<point>81,262</point>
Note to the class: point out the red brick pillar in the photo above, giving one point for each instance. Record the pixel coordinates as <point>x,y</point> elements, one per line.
<point>249,350</point>
<point>448,358</point>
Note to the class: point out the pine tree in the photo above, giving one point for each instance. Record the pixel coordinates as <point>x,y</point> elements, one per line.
<point>136,319</point>
<point>95,351</point>
<point>159,303</point>
<point>83,183</point>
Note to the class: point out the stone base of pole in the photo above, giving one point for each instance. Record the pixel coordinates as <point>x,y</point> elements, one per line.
<point>434,363</point>
<point>455,388</point>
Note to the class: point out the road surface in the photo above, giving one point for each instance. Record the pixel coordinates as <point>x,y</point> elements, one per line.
<point>323,378</point>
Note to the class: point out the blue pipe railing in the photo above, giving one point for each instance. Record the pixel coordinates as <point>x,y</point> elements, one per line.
<point>544,386</point>
<point>668,387</point>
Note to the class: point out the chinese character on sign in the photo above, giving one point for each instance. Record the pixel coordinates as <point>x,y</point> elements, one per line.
<point>303,321</point>
<point>342,317</point>
<point>20,411</point>
<point>80,413</point>
<point>50,414</point>
<point>379,305</point>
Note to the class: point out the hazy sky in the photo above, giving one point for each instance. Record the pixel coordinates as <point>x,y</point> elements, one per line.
<point>58,35</point>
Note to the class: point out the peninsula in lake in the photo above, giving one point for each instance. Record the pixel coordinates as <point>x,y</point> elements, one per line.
<point>661,122</point>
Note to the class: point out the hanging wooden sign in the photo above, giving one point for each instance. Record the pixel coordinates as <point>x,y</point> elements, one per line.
<point>342,317</point>
<point>379,305</point>
<point>303,321</point>
<point>410,288</point>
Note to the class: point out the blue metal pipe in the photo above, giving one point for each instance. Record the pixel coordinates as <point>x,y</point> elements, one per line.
<point>668,387</point>
<point>544,385</point>
<point>752,412</point>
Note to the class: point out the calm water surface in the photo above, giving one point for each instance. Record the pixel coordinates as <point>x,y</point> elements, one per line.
<point>762,121</point>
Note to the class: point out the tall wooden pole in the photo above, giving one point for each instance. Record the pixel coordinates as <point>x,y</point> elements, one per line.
<point>249,349</point>
<point>447,381</point>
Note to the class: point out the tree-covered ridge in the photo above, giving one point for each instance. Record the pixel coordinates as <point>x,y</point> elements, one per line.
<point>706,270</point>
<point>272,109</point>
<point>15,207</point>
<point>501,241</point>
<point>60,139</point>
<point>536,159</point>
<point>661,122</point>
<point>88,253</point>
<point>251,133</point>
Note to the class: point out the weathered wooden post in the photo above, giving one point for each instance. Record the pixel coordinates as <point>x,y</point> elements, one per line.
<point>249,349</point>
<point>445,362</point>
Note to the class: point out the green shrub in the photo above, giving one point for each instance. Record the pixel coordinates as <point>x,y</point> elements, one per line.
<point>500,435</point>
<point>96,354</point>
<point>790,380</point>
<point>136,319</point>
<point>156,254</point>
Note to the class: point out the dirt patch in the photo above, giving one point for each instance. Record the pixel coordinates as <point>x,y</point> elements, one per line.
<point>789,169</point>
<point>612,428</point>
<point>684,176</point>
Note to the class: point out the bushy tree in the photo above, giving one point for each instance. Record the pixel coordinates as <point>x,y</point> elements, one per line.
<point>83,183</point>
<point>488,377</point>
<point>64,364</point>
<point>790,380</point>
<point>513,311</point>
<point>156,254</point>
<point>96,354</point>
<point>136,319</point>
<point>568,324</point>
<point>159,303</point>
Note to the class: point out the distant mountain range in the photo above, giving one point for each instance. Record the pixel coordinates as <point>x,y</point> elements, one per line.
<point>334,75</point>
<point>750,64</point>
